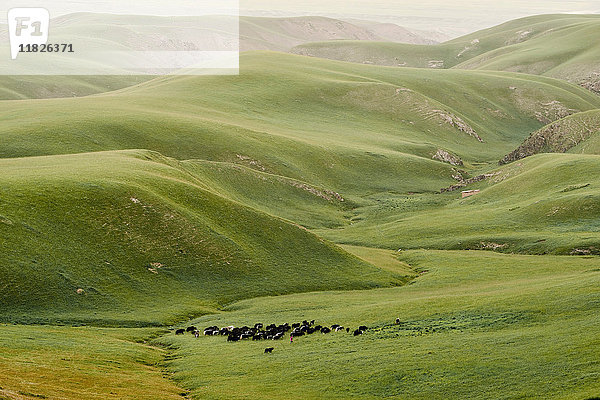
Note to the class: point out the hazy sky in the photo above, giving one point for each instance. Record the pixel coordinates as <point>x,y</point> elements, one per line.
<point>453,16</point>
<point>134,7</point>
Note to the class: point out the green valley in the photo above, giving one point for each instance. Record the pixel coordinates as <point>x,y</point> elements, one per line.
<point>321,188</point>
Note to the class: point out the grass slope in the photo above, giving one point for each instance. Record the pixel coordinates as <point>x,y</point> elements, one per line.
<point>557,46</point>
<point>577,133</point>
<point>552,45</point>
<point>130,238</point>
<point>543,204</point>
<point>49,362</point>
<point>477,325</point>
<point>343,127</point>
<point>44,87</point>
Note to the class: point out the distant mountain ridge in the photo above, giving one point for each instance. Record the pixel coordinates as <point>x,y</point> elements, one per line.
<point>282,34</point>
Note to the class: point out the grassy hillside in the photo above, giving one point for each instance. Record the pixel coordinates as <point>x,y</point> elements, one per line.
<point>61,362</point>
<point>44,87</point>
<point>577,133</point>
<point>552,45</point>
<point>542,204</point>
<point>347,128</point>
<point>132,238</point>
<point>381,53</point>
<point>559,47</point>
<point>477,325</point>
<point>282,194</point>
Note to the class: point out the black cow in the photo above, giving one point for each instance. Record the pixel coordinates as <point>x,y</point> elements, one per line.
<point>358,332</point>
<point>347,330</point>
<point>179,331</point>
<point>269,350</point>
<point>325,330</point>
<point>362,328</point>
<point>191,329</point>
<point>397,321</point>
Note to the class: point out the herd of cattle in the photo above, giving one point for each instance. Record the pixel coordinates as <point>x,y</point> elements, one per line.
<point>269,332</point>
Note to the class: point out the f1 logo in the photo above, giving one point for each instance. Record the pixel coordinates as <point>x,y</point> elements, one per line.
<point>27,26</point>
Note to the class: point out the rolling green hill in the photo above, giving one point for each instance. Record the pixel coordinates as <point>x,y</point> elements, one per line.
<point>284,193</point>
<point>44,87</point>
<point>133,238</point>
<point>347,128</point>
<point>558,46</point>
<point>546,203</point>
<point>578,133</point>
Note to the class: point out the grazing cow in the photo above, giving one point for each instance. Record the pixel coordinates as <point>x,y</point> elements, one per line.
<point>180,331</point>
<point>362,328</point>
<point>258,326</point>
<point>335,326</point>
<point>358,332</point>
<point>295,325</point>
<point>347,330</point>
<point>190,329</point>
<point>325,330</point>
<point>339,328</point>
<point>312,322</point>
<point>269,350</point>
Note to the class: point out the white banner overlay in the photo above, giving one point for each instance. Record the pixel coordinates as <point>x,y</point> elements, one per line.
<point>27,26</point>
<point>111,37</point>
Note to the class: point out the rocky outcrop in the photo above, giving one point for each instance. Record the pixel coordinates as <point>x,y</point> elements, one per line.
<point>444,156</point>
<point>456,122</point>
<point>466,182</point>
<point>592,82</point>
